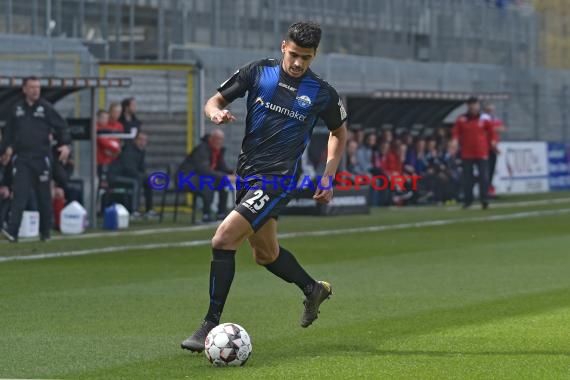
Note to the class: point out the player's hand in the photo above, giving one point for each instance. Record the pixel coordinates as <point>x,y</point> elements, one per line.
<point>63,153</point>
<point>324,192</point>
<point>222,117</point>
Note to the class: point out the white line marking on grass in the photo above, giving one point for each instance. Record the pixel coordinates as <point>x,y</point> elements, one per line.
<point>155,230</point>
<point>289,235</point>
<point>146,231</point>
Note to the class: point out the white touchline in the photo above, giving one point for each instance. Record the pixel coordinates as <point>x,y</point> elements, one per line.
<point>150,231</point>
<point>289,235</point>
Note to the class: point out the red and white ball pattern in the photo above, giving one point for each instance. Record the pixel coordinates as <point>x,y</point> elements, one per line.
<point>228,344</point>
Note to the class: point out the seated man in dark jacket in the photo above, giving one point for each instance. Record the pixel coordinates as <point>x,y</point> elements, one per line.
<point>129,169</point>
<point>207,159</point>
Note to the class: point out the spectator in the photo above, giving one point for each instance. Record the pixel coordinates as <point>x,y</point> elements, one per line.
<point>27,138</point>
<point>359,136</point>
<point>406,194</point>
<point>379,157</point>
<point>418,157</point>
<point>108,148</point>
<point>432,154</point>
<point>392,165</point>
<point>498,127</point>
<point>472,134</point>
<point>452,165</point>
<point>207,159</point>
<point>351,158</point>
<point>114,125</point>
<point>364,154</point>
<point>441,137</point>
<point>128,118</point>
<point>130,169</point>
<point>387,135</point>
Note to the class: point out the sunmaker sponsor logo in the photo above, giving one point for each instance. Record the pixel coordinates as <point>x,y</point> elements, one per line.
<point>281,110</point>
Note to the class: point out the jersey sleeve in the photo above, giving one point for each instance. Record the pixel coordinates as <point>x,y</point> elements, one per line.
<point>334,115</point>
<point>238,84</point>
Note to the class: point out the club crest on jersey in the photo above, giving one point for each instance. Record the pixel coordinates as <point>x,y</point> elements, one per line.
<point>304,101</point>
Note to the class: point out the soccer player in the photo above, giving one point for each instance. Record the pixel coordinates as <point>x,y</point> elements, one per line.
<point>285,99</point>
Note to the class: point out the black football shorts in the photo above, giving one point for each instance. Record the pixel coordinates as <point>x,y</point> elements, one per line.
<point>258,203</point>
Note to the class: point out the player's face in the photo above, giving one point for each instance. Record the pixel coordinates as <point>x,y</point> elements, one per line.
<point>296,59</point>
<point>32,90</point>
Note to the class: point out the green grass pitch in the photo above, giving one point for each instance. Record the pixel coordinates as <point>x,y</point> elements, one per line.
<point>470,299</point>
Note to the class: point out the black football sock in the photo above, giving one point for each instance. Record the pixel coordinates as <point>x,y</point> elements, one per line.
<point>289,269</point>
<point>222,271</point>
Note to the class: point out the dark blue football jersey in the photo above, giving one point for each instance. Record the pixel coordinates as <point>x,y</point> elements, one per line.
<point>281,114</point>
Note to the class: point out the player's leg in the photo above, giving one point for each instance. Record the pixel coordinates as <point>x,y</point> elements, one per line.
<point>279,261</point>
<point>228,237</point>
<point>283,264</point>
<point>483,168</point>
<point>467,183</point>
<point>21,186</point>
<point>42,184</point>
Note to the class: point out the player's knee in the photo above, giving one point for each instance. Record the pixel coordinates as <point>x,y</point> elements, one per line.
<point>223,239</point>
<point>264,256</point>
<point>219,241</point>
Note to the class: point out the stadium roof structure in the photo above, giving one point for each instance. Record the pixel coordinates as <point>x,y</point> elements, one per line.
<point>407,108</point>
<point>53,90</point>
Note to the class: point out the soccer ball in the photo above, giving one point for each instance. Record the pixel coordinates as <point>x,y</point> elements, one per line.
<point>228,344</point>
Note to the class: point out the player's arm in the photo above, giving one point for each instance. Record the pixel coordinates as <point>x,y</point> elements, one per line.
<point>234,87</point>
<point>215,110</point>
<point>62,133</point>
<point>334,116</point>
<point>335,149</point>
<point>335,152</point>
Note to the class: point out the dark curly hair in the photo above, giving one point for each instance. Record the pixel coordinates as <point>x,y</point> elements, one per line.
<point>305,34</point>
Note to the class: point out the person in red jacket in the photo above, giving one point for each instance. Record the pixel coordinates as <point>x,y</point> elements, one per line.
<point>473,133</point>
<point>108,148</point>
